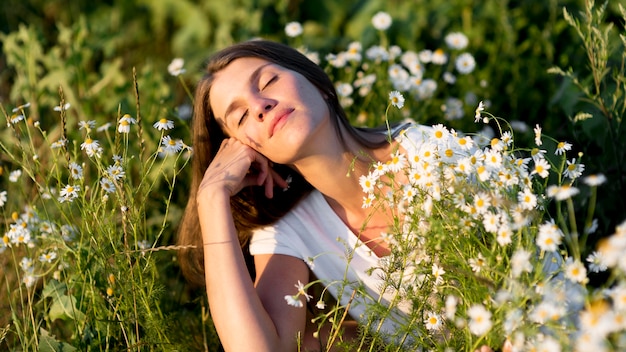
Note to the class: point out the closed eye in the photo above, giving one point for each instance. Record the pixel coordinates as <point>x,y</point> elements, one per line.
<point>274,78</point>
<point>245,113</point>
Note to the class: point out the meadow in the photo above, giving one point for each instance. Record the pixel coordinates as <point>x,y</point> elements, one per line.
<point>527,99</point>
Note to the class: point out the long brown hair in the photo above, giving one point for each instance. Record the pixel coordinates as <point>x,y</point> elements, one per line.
<point>250,208</point>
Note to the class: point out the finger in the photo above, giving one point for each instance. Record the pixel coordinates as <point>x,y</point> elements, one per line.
<point>269,187</point>
<point>278,179</point>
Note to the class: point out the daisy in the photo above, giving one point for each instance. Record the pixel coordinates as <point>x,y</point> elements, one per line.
<point>15,118</point>
<point>464,166</point>
<point>69,193</point>
<point>293,29</point>
<point>58,144</point>
<point>344,89</point>
<point>125,122</point>
<point>596,264</point>
<point>491,221</point>
<point>164,124</point>
<point>367,182</point>
<point>561,192</point>
<point>594,180</point>
<point>562,147</point>
<point>397,162</point>
<point>575,271</point>
<point>354,52</point>
<point>91,147</point>
<point>520,262</point>
<point>86,125</point>
<point>176,67</point>
<point>3,198</point>
<point>549,237</point>
<point>29,280</point>
<point>115,172</point>
<point>21,107</point>
<point>456,40</point>
<point>15,175</point>
<point>76,171</point>
<point>63,107</point>
<point>477,263</point>
<point>480,320</point>
<point>493,159</point>
<point>479,110</point>
<point>439,57</point>
<point>541,168</point>
<point>482,202</point>
<point>381,21</point>
<point>104,127</point>
<point>465,63</point>
<point>294,301</point>
<point>171,146</point>
<point>302,291</point>
<point>379,169</point>
<point>537,131</point>
<point>504,235</point>
<point>466,143</point>
<point>438,273</point>
<point>527,199</point>
<point>440,133</point>
<point>48,257</point>
<point>433,321</point>
<point>27,265</point>
<point>396,99</point>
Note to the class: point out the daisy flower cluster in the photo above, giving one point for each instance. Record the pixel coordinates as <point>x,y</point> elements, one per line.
<point>475,258</point>
<point>77,208</point>
<point>427,76</point>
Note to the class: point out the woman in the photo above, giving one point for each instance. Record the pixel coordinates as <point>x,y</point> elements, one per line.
<point>265,114</point>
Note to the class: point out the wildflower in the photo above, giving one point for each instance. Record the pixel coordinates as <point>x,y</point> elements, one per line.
<point>104,127</point>
<point>449,78</point>
<point>320,304</point>
<point>537,131</point>
<point>575,271</point>
<point>163,124</point>
<point>573,170</point>
<point>562,147</point>
<point>302,291</point>
<point>15,175</point>
<point>107,185</point>
<point>480,320</point>
<point>293,29</point>
<point>477,263</point>
<point>396,99</point>
<point>541,168</point>
<point>465,63</point>
<point>561,192</point>
<point>367,182</point>
<point>433,321</point>
<point>493,159</point>
<point>115,172</point>
<point>479,110</point>
<point>527,199</point>
<point>63,107</point>
<point>450,306</point>
<point>76,171</point>
<point>294,301</point>
<point>344,89</point>
<point>397,162</point>
<point>21,107</point>
<point>456,40</point>
<point>3,198</point>
<point>171,146</point>
<point>48,257</point>
<point>91,147</point>
<point>482,202</point>
<point>86,125</point>
<point>520,262</point>
<point>549,237</point>
<point>618,295</point>
<point>58,144</point>
<point>545,311</point>
<point>15,118</point>
<point>379,169</point>
<point>125,122</point>
<point>594,180</point>
<point>368,201</point>
<point>175,68</point>
<point>504,235</point>
<point>596,263</point>
<point>440,133</point>
<point>29,280</point>
<point>381,21</point>
<point>69,193</point>
<point>438,273</point>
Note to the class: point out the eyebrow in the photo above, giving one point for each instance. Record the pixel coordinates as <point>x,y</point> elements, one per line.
<point>235,104</point>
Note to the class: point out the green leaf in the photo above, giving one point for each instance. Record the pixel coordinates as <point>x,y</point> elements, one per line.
<point>54,289</point>
<point>47,343</point>
<point>64,307</point>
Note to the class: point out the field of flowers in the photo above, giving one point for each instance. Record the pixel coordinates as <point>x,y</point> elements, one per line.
<point>510,222</point>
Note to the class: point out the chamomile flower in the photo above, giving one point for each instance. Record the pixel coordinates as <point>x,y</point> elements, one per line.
<point>15,175</point>
<point>63,107</point>
<point>124,124</point>
<point>293,29</point>
<point>48,257</point>
<point>69,193</point>
<point>397,162</point>
<point>21,107</point>
<point>294,301</point>
<point>302,291</point>
<point>396,99</point>
<point>381,21</point>
<point>478,263</point>
<point>456,40</point>
<point>480,320</point>
<point>478,112</point>
<point>537,131</point>
<point>163,124</point>
<point>465,63</point>
<point>76,171</point>
<point>541,168</point>
<point>171,146</point>
<point>562,147</point>
<point>561,192</point>
<point>3,198</point>
<point>176,67</point>
<point>91,147</point>
<point>520,262</point>
<point>594,180</point>
<point>86,125</point>
<point>15,118</point>
<point>433,321</point>
<point>367,182</point>
<point>115,172</point>
<point>527,199</point>
<point>504,236</point>
<point>575,271</point>
<point>596,263</point>
<point>320,305</point>
<point>549,237</point>
<point>482,201</point>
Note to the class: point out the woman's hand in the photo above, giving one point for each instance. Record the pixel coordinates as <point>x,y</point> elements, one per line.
<point>236,166</point>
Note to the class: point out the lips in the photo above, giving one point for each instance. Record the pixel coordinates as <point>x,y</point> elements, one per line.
<point>280,116</point>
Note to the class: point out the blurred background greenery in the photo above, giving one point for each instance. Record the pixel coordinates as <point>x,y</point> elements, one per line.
<point>91,47</point>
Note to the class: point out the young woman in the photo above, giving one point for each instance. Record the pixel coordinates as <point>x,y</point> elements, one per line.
<point>276,164</point>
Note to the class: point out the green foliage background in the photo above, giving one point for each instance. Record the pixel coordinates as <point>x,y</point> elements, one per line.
<point>91,47</point>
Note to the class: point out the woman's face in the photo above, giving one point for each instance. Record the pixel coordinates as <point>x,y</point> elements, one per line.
<point>276,111</point>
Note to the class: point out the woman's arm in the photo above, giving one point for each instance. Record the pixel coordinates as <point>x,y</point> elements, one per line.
<point>241,317</point>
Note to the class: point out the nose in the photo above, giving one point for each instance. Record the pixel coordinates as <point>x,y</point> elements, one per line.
<point>264,108</point>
